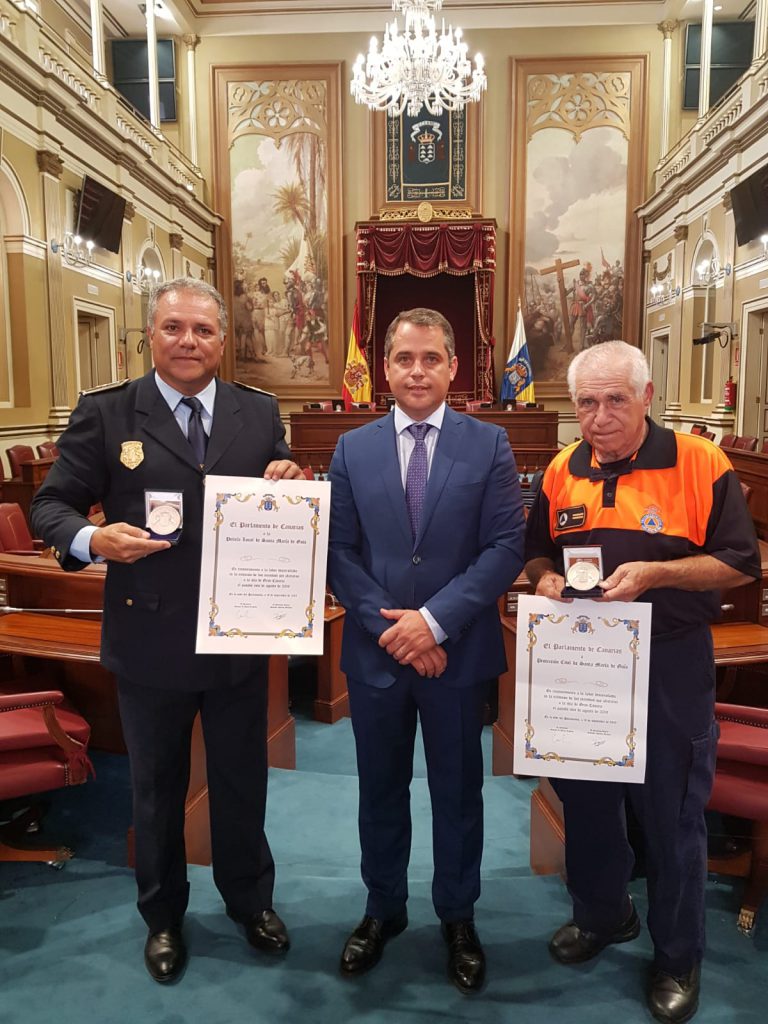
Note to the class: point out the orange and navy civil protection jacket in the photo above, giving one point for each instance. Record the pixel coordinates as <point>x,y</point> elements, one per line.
<point>677,496</point>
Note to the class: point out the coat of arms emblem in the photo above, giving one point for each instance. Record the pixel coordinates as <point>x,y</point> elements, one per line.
<point>131,454</point>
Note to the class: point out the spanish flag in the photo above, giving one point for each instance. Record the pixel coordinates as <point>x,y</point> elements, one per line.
<point>357,378</point>
<point>518,373</point>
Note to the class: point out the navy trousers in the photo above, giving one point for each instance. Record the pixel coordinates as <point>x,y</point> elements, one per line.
<point>157,725</point>
<point>384,724</point>
<point>682,747</point>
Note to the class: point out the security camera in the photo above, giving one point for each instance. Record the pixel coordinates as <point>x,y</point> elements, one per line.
<point>706,338</point>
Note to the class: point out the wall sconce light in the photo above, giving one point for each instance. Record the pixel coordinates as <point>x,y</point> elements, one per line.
<point>764,240</point>
<point>663,291</point>
<point>707,271</point>
<point>146,279</point>
<point>74,250</point>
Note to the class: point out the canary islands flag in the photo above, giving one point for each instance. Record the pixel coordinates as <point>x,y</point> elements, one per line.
<point>356,386</point>
<point>518,373</point>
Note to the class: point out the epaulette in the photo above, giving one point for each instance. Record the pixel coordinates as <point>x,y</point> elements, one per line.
<point>112,386</point>
<point>250,387</point>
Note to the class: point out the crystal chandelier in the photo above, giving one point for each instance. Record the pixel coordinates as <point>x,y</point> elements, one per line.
<point>417,67</point>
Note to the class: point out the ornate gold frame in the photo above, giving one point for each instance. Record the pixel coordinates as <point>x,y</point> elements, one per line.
<point>520,70</point>
<point>329,73</point>
<point>420,210</point>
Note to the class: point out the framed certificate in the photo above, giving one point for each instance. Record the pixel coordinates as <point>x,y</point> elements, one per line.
<point>262,573</point>
<point>581,703</point>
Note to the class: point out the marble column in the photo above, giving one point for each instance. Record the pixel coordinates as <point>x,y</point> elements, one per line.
<point>97,38</point>
<point>666,28</point>
<point>51,167</point>
<point>706,56</point>
<point>676,326</point>
<point>154,78</point>
<point>760,44</point>
<point>191,41</point>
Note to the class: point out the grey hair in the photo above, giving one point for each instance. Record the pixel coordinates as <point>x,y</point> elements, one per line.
<point>421,317</point>
<point>186,284</point>
<point>609,355</point>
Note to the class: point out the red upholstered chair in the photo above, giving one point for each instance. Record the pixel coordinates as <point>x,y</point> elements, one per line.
<point>15,538</point>
<point>741,789</point>
<point>17,454</point>
<point>746,444</point>
<point>309,473</point>
<point>698,428</point>
<point>726,441</point>
<point>48,450</point>
<point>43,746</point>
<point>709,434</point>
<point>764,447</point>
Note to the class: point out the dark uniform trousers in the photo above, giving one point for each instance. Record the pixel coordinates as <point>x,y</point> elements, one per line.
<point>157,725</point>
<point>681,752</point>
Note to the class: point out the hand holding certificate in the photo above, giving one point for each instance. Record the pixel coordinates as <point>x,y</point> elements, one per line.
<point>582,689</point>
<point>262,577</point>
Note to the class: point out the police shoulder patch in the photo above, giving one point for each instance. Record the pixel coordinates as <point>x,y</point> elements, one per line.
<point>112,386</point>
<point>250,387</point>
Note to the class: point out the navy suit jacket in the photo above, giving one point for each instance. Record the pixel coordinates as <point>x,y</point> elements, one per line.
<point>150,607</point>
<point>469,549</point>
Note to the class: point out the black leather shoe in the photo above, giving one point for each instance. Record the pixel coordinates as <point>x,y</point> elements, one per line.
<point>571,945</point>
<point>466,959</point>
<point>674,999</point>
<point>165,954</point>
<point>264,931</point>
<point>365,945</point>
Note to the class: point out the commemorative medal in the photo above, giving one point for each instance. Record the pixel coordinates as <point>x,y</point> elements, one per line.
<point>164,520</point>
<point>582,576</point>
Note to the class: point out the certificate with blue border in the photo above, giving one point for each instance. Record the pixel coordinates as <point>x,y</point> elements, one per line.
<point>581,698</point>
<point>263,564</point>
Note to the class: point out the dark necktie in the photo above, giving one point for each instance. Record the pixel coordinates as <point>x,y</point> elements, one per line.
<point>196,434</point>
<point>416,476</point>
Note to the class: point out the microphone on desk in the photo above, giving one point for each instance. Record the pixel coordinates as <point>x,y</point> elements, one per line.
<point>5,609</point>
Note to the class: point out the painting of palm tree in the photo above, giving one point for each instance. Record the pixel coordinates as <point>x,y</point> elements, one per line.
<point>283,189</point>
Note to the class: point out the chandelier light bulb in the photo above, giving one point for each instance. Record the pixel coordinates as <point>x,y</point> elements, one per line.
<point>417,68</point>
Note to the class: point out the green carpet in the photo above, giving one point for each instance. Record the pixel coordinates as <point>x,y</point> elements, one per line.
<point>71,941</point>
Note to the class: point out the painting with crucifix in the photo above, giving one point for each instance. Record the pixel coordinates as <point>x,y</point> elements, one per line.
<point>576,178</point>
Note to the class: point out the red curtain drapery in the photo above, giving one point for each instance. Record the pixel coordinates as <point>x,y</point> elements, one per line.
<point>426,250</point>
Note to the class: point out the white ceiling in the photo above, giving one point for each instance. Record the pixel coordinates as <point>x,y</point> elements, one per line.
<point>235,17</point>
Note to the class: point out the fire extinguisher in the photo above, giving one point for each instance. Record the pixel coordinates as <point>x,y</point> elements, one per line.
<point>729,394</point>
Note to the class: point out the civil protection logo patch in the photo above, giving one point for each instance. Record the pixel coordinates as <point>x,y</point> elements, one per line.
<point>651,520</point>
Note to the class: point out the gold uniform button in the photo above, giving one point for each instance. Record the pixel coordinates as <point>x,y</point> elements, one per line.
<point>129,601</point>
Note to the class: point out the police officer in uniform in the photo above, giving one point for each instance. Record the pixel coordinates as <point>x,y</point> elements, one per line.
<point>159,436</point>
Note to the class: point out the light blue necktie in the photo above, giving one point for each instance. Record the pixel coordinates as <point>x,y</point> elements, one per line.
<point>416,476</point>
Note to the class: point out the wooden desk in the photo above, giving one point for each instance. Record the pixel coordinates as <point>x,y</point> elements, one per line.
<point>736,643</point>
<point>332,700</point>
<point>740,643</point>
<point>532,434</point>
<point>504,726</point>
<point>752,469</point>
<point>74,640</point>
<point>23,488</point>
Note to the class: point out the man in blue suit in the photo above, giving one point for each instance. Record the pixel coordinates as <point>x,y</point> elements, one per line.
<point>426,532</point>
